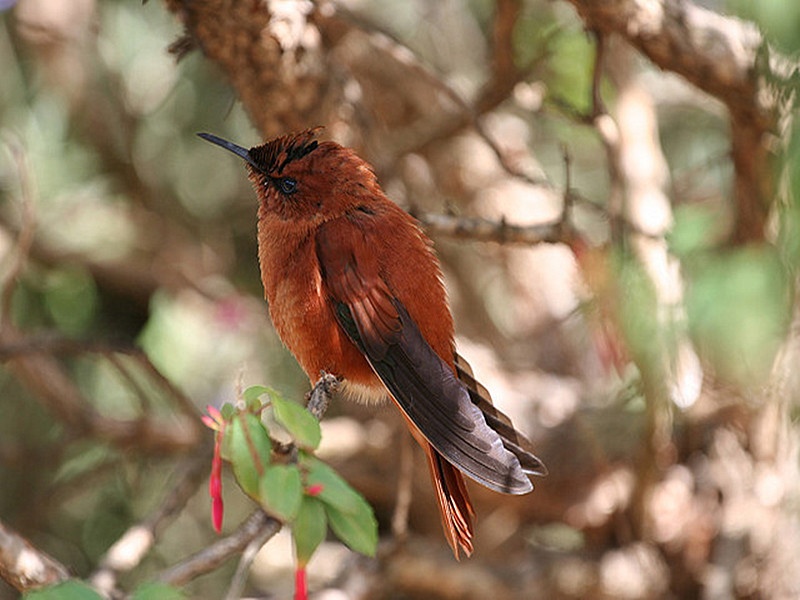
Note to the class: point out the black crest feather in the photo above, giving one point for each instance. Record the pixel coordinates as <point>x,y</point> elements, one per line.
<point>273,156</point>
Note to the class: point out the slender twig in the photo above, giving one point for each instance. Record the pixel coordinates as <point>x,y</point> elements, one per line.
<point>405,483</point>
<point>183,401</point>
<point>129,550</point>
<point>597,106</point>
<point>144,399</point>
<point>54,343</point>
<point>258,525</point>
<point>53,386</point>
<point>485,230</point>
<point>501,81</point>
<point>239,578</point>
<point>26,229</point>
<point>320,396</point>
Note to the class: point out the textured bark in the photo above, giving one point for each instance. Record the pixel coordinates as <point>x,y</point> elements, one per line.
<point>276,62</point>
<point>726,58</point>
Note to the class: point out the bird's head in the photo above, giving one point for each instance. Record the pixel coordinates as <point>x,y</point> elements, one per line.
<point>297,177</point>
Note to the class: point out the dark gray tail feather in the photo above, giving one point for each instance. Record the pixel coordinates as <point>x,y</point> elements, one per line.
<point>514,441</point>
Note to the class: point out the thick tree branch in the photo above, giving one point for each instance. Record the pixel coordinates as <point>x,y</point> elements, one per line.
<point>24,566</point>
<point>723,57</point>
<point>275,62</point>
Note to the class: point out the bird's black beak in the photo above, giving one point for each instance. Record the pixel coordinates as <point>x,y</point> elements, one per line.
<point>231,147</point>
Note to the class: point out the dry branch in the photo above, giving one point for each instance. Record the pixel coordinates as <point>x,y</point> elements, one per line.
<point>722,56</point>
<point>45,377</point>
<point>275,62</point>
<point>24,566</point>
<point>257,525</point>
<point>129,550</point>
<point>484,230</point>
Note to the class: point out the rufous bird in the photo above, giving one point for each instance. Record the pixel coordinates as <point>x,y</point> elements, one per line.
<point>355,289</point>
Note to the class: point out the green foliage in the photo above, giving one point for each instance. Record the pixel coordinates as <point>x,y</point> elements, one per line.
<point>300,423</point>
<point>252,396</point>
<point>349,515</point>
<point>69,590</point>
<point>248,447</point>
<point>696,228</point>
<point>789,232</point>
<point>638,310</point>
<point>738,304</point>
<point>358,528</point>
<point>71,299</point>
<point>309,528</point>
<point>281,490</point>
<point>305,493</point>
<point>571,56</point>
<point>334,491</point>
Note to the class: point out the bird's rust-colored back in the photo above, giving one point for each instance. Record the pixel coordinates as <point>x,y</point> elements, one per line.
<point>355,289</point>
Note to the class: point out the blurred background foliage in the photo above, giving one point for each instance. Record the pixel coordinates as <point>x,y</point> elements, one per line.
<point>144,237</point>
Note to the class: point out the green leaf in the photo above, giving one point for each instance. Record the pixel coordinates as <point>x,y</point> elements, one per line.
<point>309,528</point>
<point>228,411</point>
<point>739,307</point>
<point>69,590</point>
<point>300,423</point>
<point>252,395</point>
<point>696,228</point>
<point>281,491</point>
<point>157,591</point>
<point>349,515</point>
<point>248,448</point>
<point>335,492</point>
<point>358,528</point>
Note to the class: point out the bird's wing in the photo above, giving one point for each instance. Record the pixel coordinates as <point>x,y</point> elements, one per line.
<point>421,383</point>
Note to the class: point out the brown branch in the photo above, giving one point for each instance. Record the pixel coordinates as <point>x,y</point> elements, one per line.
<point>44,376</point>
<point>717,54</point>
<point>321,394</point>
<point>460,113</point>
<point>24,566</point>
<point>504,72</point>
<point>26,231</point>
<point>249,553</point>
<point>484,230</point>
<point>280,73</point>
<point>129,550</point>
<point>721,56</point>
<point>257,525</point>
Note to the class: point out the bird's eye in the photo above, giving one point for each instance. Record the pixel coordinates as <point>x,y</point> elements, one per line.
<point>287,185</point>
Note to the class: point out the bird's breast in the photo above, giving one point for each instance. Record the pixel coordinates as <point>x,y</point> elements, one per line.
<point>304,317</point>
